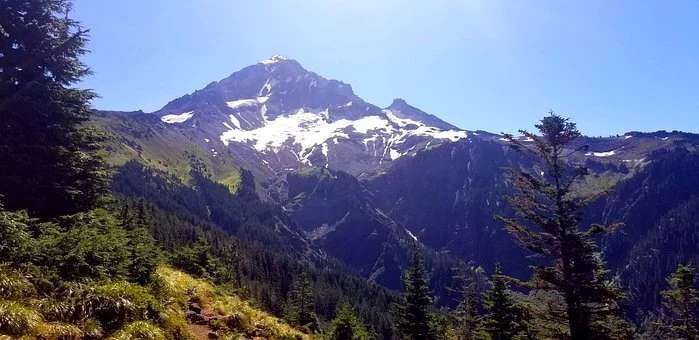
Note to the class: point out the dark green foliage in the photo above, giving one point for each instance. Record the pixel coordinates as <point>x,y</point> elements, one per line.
<point>672,241</point>
<point>145,255</point>
<point>467,315</point>
<point>301,303</point>
<point>644,202</point>
<point>414,310</point>
<point>48,160</point>
<point>263,273</point>
<point>347,326</point>
<point>16,243</point>
<point>198,260</point>
<point>503,320</point>
<point>680,305</point>
<point>241,214</point>
<point>72,271</point>
<point>82,246</point>
<point>551,213</point>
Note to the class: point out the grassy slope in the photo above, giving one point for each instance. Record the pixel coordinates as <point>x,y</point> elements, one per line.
<point>222,305</point>
<point>170,293</point>
<point>140,136</point>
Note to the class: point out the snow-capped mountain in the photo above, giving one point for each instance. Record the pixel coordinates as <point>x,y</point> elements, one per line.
<point>394,175</point>
<point>280,115</point>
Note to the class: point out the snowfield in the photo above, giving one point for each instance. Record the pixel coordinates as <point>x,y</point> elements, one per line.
<point>177,118</point>
<point>308,130</point>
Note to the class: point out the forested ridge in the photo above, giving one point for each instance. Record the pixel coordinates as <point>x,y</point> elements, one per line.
<point>92,250</point>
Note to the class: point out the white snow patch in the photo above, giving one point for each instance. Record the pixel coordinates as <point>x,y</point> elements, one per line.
<point>266,88</point>
<point>177,118</point>
<point>274,59</point>
<point>401,121</point>
<point>248,103</point>
<point>601,154</point>
<point>234,120</point>
<point>394,154</point>
<point>206,140</point>
<point>411,234</point>
<point>241,103</point>
<point>627,137</point>
<point>370,123</point>
<point>665,138</point>
<point>452,135</point>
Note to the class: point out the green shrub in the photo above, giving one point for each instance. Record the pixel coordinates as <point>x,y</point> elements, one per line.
<point>120,302</point>
<point>16,243</point>
<point>139,330</point>
<point>92,329</point>
<point>14,285</point>
<point>16,319</point>
<point>58,310</point>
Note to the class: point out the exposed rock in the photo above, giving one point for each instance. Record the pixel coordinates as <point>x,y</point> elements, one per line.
<point>195,307</point>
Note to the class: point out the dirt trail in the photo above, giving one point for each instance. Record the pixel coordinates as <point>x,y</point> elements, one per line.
<point>198,322</point>
<point>200,332</point>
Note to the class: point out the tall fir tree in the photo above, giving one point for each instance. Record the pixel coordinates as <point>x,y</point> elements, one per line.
<point>680,305</point>
<point>503,315</point>
<point>548,225</point>
<point>48,159</point>
<point>414,310</point>
<point>468,320</point>
<point>145,255</point>
<point>301,303</point>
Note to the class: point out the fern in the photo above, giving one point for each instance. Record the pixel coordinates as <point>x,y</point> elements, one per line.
<point>16,319</point>
<point>139,330</point>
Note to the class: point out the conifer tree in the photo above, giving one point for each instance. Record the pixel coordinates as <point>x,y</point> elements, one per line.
<point>301,303</point>
<point>469,323</point>
<point>502,321</point>
<point>145,255</point>
<point>550,212</point>
<point>414,310</point>
<point>680,304</point>
<point>347,326</point>
<point>48,159</point>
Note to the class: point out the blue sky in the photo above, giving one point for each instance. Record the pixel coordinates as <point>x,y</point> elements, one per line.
<point>613,66</point>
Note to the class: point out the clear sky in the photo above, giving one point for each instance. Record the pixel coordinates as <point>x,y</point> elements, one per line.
<point>613,66</point>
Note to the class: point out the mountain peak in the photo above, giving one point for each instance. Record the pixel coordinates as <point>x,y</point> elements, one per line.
<point>402,109</point>
<point>398,103</point>
<point>274,59</point>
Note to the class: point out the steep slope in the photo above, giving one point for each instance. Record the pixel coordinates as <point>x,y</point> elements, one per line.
<point>338,215</point>
<point>143,137</point>
<point>448,196</point>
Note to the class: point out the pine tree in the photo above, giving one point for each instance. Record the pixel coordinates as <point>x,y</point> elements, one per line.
<point>414,310</point>
<point>145,255</point>
<point>680,304</point>
<point>48,159</point>
<point>552,212</point>
<point>502,321</point>
<point>301,303</point>
<point>469,323</point>
<point>347,326</point>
